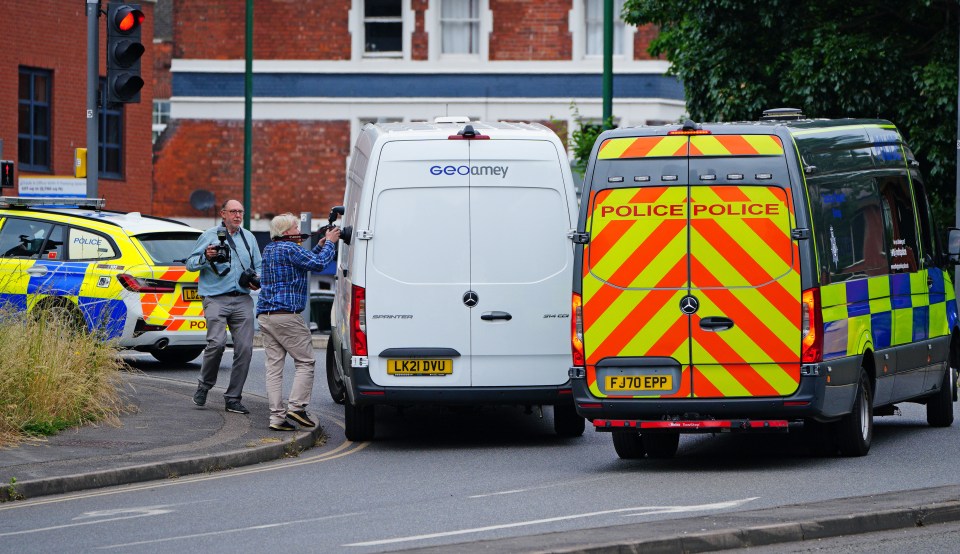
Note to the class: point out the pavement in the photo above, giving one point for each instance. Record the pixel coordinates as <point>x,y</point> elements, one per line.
<point>166,436</point>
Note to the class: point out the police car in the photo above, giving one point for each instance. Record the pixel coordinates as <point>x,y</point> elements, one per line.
<point>118,274</point>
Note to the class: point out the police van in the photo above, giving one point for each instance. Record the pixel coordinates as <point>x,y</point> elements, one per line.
<point>759,276</point>
<point>453,275</point>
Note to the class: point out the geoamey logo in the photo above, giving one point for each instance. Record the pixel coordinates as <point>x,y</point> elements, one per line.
<point>476,170</point>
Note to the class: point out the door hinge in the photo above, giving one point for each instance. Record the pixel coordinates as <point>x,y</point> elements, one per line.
<point>363,234</point>
<point>579,238</point>
<point>800,234</point>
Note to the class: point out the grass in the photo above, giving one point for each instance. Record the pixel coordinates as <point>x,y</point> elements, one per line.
<point>54,376</point>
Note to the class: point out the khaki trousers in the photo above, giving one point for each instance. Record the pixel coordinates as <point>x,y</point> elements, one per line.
<point>287,334</point>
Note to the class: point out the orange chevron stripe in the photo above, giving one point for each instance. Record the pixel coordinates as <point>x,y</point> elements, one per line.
<point>703,387</point>
<point>653,302</point>
<point>780,243</point>
<point>746,319</point>
<point>640,259</point>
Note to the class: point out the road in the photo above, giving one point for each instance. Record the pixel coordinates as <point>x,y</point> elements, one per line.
<point>437,477</point>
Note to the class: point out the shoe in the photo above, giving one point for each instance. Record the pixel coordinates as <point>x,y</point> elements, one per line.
<point>200,397</point>
<point>282,426</point>
<point>301,417</point>
<point>234,406</point>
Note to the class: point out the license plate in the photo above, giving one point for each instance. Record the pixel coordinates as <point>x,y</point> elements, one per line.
<point>190,294</point>
<point>419,367</point>
<point>639,382</point>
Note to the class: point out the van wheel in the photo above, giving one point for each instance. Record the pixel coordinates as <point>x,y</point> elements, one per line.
<point>661,445</point>
<point>940,405</point>
<point>628,444</point>
<point>855,430</point>
<point>338,392</point>
<point>358,422</point>
<point>820,438</point>
<point>177,355</point>
<point>566,421</point>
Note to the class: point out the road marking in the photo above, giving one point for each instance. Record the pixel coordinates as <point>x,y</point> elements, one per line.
<point>640,511</point>
<point>227,531</point>
<point>547,486</point>
<point>104,517</point>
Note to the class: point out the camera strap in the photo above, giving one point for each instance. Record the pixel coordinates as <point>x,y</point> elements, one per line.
<point>245,243</point>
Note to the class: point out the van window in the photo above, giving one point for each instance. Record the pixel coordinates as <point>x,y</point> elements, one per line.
<point>900,223</point>
<point>928,247</point>
<point>848,227</point>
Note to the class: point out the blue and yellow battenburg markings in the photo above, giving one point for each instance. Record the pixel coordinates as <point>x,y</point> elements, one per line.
<point>885,311</point>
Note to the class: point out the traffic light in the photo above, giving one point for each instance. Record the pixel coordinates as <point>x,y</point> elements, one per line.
<point>124,50</point>
<point>6,174</point>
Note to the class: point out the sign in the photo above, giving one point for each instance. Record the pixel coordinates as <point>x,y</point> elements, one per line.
<point>66,187</point>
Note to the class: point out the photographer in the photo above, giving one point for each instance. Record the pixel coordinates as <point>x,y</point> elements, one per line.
<point>283,297</point>
<point>228,267</point>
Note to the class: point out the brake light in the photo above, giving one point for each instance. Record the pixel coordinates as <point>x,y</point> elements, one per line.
<point>576,332</point>
<point>358,320</point>
<point>136,284</point>
<point>692,132</point>
<point>812,330</point>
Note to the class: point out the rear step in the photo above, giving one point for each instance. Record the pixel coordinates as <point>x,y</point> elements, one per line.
<point>695,426</point>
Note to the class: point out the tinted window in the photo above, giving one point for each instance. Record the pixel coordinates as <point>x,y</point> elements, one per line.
<point>23,238</point>
<point>900,223</point>
<point>87,245</point>
<point>168,248</point>
<point>927,234</point>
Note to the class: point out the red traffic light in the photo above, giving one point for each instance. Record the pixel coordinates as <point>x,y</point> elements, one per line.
<point>126,18</point>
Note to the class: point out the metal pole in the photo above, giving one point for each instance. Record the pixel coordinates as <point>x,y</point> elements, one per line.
<point>93,82</point>
<point>607,63</point>
<point>248,115</point>
<point>306,221</point>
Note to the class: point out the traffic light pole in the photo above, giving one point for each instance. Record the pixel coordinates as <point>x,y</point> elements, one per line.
<point>93,82</point>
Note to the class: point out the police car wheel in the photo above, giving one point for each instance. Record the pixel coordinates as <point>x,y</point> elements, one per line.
<point>855,430</point>
<point>661,445</point>
<point>338,391</point>
<point>940,405</point>
<point>177,355</point>
<point>62,312</point>
<point>566,421</point>
<point>628,444</point>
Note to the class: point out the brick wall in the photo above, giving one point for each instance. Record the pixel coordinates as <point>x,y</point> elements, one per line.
<point>282,29</point>
<point>530,30</point>
<point>57,42</point>
<point>419,41</point>
<point>641,42</point>
<point>297,165</point>
<point>162,54</point>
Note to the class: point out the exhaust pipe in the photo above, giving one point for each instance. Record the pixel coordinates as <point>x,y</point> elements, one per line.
<point>162,343</point>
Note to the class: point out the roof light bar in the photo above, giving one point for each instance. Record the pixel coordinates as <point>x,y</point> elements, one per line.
<point>52,201</point>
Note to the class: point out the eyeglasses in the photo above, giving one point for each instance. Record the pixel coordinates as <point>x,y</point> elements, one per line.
<point>234,212</point>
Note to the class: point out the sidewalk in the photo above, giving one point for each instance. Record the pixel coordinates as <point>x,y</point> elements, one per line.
<point>167,437</point>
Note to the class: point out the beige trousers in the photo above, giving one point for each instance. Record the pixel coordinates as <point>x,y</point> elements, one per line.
<point>287,334</point>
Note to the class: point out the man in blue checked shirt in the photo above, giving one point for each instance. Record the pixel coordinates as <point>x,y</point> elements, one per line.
<point>283,294</point>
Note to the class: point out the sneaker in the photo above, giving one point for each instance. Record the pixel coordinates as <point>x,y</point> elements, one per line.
<point>282,426</point>
<point>301,417</point>
<point>234,406</point>
<point>200,397</point>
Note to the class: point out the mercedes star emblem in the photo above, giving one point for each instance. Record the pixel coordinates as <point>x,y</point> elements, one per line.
<point>689,305</point>
<point>470,299</point>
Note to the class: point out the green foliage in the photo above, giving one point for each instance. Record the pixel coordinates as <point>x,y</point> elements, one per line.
<point>582,139</point>
<point>831,58</point>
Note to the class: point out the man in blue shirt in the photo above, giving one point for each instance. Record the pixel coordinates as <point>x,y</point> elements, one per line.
<point>226,301</point>
<point>282,298</point>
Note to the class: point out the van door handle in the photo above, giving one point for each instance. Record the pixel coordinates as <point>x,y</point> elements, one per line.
<point>490,316</point>
<point>37,270</point>
<point>715,323</point>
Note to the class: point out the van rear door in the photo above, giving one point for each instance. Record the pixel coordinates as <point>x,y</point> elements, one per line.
<point>418,266</point>
<point>520,263</point>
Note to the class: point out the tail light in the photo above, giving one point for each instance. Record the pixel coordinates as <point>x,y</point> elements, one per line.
<point>358,320</point>
<point>812,331</point>
<point>140,285</point>
<point>576,331</point>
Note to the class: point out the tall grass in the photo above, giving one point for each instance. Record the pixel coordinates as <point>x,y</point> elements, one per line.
<point>54,376</point>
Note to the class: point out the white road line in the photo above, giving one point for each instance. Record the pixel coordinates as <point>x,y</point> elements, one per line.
<point>94,518</point>
<point>547,486</point>
<point>498,493</point>
<point>227,531</point>
<point>641,510</point>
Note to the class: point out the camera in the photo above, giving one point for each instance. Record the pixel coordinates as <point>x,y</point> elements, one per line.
<point>222,255</point>
<point>249,278</point>
<point>345,232</point>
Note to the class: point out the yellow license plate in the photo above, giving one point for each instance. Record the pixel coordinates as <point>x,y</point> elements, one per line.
<point>190,294</point>
<point>419,367</point>
<point>639,382</point>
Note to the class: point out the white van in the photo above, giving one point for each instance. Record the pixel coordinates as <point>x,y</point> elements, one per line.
<point>454,273</point>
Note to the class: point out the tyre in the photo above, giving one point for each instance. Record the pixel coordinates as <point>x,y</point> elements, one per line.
<point>855,430</point>
<point>358,422</point>
<point>940,405</point>
<point>661,445</point>
<point>177,355</point>
<point>628,444</point>
<point>566,421</point>
<point>338,392</point>
<point>61,312</point>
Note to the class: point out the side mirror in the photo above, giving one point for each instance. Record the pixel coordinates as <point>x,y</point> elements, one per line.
<point>953,245</point>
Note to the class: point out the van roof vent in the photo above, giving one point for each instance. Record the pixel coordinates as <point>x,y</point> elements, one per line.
<point>782,114</point>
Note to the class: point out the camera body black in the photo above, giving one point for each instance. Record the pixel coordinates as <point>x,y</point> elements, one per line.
<point>249,278</point>
<point>222,255</point>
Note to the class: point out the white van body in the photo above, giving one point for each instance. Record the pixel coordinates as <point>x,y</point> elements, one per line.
<point>437,222</point>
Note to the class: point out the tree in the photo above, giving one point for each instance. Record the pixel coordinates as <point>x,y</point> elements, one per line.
<point>831,58</point>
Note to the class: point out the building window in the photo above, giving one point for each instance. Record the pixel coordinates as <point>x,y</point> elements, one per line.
<point>383,28</point>
<point>110,131</point>
<point>161,116</point>
<point>594,24</point>
<point>460,26</point>
<point>35,108</point>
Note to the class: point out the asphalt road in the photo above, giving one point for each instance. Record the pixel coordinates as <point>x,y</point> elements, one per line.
<point>437,477</point>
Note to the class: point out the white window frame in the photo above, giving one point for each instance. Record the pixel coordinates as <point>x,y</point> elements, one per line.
<point>434,27</point>
<point>358,43</point>
<point>160,117</point>
<point>578,30</point>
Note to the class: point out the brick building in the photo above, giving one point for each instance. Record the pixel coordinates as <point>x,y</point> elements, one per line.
<point>322,68</point>
<point>43,83</point>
